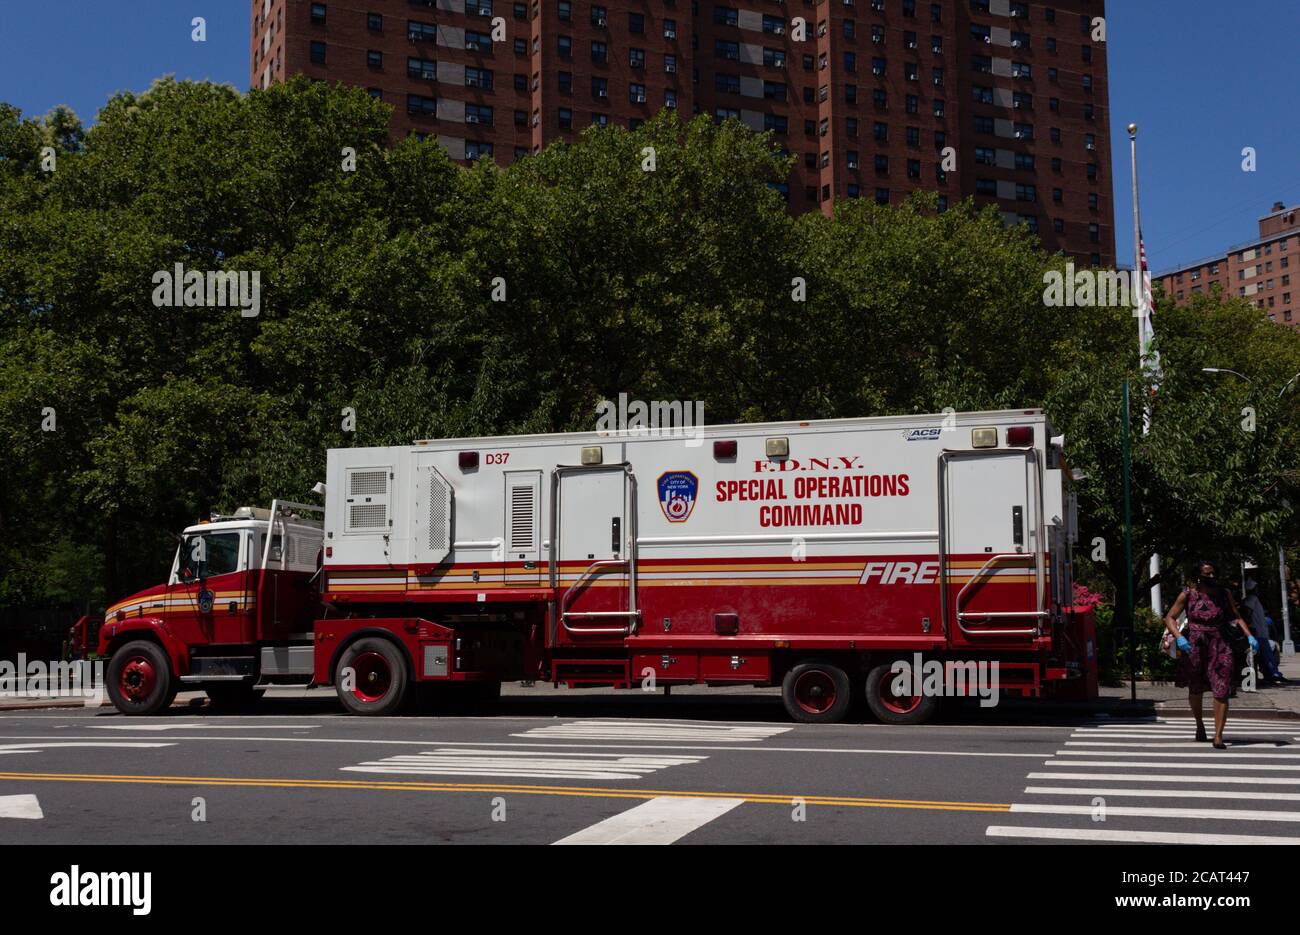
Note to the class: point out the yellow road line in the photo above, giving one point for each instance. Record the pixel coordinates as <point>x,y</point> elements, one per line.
<point>763,798</point>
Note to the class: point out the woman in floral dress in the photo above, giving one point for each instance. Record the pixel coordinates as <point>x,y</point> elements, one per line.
<point>1205,658</point>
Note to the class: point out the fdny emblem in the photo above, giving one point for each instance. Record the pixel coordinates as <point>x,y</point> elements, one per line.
<point>677,495</point>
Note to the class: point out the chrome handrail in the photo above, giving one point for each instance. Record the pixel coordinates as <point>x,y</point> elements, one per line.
<point>566,615</point>
<point>1026,631</point>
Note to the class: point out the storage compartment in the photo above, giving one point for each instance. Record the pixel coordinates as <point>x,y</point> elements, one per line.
<point>668,666</point>
<point>739,666</point>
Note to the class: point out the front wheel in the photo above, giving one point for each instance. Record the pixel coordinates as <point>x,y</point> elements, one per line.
<point>372,678</point>
<point>893,703</point>
<point>816,693</point>
<point>140,679</point>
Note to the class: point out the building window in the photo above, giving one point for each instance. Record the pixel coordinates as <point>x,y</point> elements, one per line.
<point>375,22</point>
<point>478,7</point>
<point>566,82</point>
<point>670,29</point>
<point>374,58</point>
<point>422,69</point>
<point>478,78</point>
<point>376,94</point>
<point>565,10</point>
<point>723,48</point>
<point>475,150</point>
<point>422,105</point>
<point>318,53</point>
<point>636,23</point>
<point>421,32</point>
<point>729,84</point>
<point>566,119</point>
<point>564,45</point>
<point>636,93</point>
<point>774,58</point>
<point>882,165</point>
<point>636,58</point>
<point>318,14</point>
<point>600,88</point>
<point>478,42</point>
<point>599,17</point>
<point>882,196</point>
<point>724,16</point>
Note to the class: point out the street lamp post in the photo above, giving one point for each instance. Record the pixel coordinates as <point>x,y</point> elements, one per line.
<point>1288,647</point>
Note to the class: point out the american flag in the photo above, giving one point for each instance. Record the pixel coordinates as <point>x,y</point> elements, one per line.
<point>1146,306</point>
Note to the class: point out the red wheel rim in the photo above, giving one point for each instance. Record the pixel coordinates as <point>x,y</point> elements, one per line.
<point>138,679</point>
<point>898,704</point>
<point>814,691</point>
<point>373,675</point>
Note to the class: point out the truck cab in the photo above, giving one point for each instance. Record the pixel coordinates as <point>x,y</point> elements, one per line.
<point>235,612</point>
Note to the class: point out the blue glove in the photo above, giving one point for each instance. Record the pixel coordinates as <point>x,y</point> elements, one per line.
<point>1254,644</point>
<point>1183,645</point>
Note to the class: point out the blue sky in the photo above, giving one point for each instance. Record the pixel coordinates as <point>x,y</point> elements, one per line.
<point>1202,79</point>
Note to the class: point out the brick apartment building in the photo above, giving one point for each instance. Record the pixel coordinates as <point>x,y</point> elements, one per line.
<point>1260,270</point>
<point>868,95</point>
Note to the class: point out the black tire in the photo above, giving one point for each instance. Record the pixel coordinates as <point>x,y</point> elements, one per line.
<point>817,692</point>
<point>379,677</point>
<point>238,696</point>
<point>889,708</point>
<point>140,680</point>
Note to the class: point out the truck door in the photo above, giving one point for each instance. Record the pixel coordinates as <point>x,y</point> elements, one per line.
<point>208,600</point>
<point>594,566</point>
<point>991,551</point>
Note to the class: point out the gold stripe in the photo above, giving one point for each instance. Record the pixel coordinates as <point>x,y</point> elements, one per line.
<point>762,798</point>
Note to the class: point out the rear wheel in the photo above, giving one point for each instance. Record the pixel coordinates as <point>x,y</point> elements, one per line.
<point>140,679</point>
<point>372,678</point>
<point>816,693</point>
<point>891,706</point>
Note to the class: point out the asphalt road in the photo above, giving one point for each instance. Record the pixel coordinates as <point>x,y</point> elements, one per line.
<point>542,767</point>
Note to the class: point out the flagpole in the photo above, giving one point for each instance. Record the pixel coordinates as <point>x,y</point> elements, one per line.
<point>1139,280</point>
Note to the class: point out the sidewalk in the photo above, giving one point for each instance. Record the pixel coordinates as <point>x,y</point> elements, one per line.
<point>1270,701</point>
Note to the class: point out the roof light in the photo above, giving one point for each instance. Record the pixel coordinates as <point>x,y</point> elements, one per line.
<point>778,447</point>
<point>724,449</point>
<point>468,460</point>
<point>986,437</point>
<point>592,455</point>
<point>1019,435</point>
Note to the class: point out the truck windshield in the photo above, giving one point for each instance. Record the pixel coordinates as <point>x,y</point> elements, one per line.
<point>207,555</point>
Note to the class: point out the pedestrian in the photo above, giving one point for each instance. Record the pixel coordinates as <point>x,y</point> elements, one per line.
<point>1205,658</point>
<point>1259,625</point>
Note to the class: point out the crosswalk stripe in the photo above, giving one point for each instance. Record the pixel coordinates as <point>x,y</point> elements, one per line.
<point>1167,744</point>
<point>661,820</point>
<point>20,806</point>
<point>1157,777</point>
<point>1136,811</point>
<point>1165,793</point>
<point>1230,753</point>
<point>524,763</point>
<point>1136,837</point>
<point>1157,764</point>
<point>642,730</point>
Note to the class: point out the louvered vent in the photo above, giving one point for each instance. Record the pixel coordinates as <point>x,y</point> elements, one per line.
<point>523,533</point>
<point>367,483</point>
<point>439,514</point>
<point>367,500</point>
<point>367,516</point>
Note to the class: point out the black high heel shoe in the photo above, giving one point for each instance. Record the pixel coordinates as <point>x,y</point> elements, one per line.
<point>1200,733</point>
<point>1220,745</point>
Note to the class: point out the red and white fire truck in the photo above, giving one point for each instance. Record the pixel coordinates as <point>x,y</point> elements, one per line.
<point>810,555</point>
